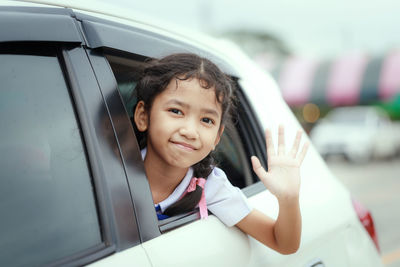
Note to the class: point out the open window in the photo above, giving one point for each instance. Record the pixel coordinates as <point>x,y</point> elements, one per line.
<point>232,155</point>
<point>237,143</point>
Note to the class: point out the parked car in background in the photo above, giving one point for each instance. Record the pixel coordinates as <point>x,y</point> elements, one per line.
<point>72,184</point>
<point>359,133</point>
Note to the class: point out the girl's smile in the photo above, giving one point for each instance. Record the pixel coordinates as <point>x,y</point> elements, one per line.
<point>184,146</point>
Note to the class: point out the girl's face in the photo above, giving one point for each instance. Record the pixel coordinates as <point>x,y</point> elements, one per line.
<point>183,125</point>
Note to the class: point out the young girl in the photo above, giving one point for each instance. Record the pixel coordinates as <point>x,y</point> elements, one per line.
<point>183,104</point>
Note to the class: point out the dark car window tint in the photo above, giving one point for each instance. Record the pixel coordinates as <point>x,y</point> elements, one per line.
<point>233,159</point>
<point>127,73</point>
<point>47,202</point>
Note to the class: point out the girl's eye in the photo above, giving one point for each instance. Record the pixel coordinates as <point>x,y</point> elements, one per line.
<point>176,111</point>
<point>207,120</point>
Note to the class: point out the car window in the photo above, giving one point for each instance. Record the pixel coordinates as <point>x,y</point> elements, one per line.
<point>231,154</point>
<point>47,201</point>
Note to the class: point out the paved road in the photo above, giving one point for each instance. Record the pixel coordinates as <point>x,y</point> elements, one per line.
<point>377,186</point>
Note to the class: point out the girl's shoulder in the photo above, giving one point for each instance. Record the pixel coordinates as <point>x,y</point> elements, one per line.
<point>217,175</point>
<point>224,200</point>
<point>217,181</point>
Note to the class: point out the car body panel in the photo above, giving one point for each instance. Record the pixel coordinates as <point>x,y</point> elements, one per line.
<point>135,256</point>
<point>202,243</point>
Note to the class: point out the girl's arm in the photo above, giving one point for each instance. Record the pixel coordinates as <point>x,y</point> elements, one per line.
<point>282,180</point>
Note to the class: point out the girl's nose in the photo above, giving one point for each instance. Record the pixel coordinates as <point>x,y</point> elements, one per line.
<point>189,131</point>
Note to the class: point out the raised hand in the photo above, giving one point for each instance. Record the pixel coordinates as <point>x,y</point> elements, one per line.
<point>283,176</point>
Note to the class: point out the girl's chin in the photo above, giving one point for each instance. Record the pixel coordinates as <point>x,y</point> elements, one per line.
<point>183,162</point>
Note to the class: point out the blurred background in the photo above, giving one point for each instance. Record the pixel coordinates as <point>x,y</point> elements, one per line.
<point>338,66</point>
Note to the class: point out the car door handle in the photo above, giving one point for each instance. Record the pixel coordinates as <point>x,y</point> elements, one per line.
<point>315,263</point>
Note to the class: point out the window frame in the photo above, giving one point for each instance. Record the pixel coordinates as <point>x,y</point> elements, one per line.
<point>108,170</point>
<point>137,182</point>
<point>105,34</point>
<point>253,138</point>
<point>25,20</point>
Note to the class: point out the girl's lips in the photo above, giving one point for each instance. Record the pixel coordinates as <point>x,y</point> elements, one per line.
<point>184,146</point>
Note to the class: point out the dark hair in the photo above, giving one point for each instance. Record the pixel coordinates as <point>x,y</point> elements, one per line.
<point>155,79</point>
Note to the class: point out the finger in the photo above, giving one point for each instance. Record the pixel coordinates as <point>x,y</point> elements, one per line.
<point>258,169</point>
<point>303,152</point>
<point>296,144</point>
<point>270,144</point>
<point>281,140</point>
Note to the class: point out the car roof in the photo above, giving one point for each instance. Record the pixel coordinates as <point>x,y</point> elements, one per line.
<point>105,8</point>
<point>128,16</point>
<point>221,51</point>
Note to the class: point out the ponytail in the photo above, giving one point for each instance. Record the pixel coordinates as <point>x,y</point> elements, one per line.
<point>201,169</point>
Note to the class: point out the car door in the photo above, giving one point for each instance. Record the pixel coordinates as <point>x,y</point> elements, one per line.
<point>65,198</point>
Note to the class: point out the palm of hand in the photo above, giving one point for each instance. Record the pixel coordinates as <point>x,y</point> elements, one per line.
<point>283,176</point>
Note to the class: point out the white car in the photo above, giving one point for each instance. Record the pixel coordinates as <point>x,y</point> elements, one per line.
<point>73,188</point>
<point>359,133</point>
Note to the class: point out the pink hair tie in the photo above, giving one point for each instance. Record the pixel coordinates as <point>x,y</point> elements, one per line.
<point>202,203</point>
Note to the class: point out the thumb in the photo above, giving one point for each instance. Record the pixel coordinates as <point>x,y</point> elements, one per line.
<point>258,169</point>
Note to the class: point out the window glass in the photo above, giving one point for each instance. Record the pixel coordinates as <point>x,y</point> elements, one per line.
<point>230,155</point>
<point>232,158</point>
<point>47,202</point>
<point>127,73</point>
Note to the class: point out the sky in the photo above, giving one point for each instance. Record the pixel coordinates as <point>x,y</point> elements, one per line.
<point>312,28</point>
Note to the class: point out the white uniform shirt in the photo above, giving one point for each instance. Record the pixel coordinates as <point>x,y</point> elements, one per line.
<point>224,200</point>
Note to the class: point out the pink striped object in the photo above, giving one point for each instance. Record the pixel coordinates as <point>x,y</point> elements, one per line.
<point>344,82</point>
<point>389,82</point>
<point>296,80</point>
<point>202,203</point>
